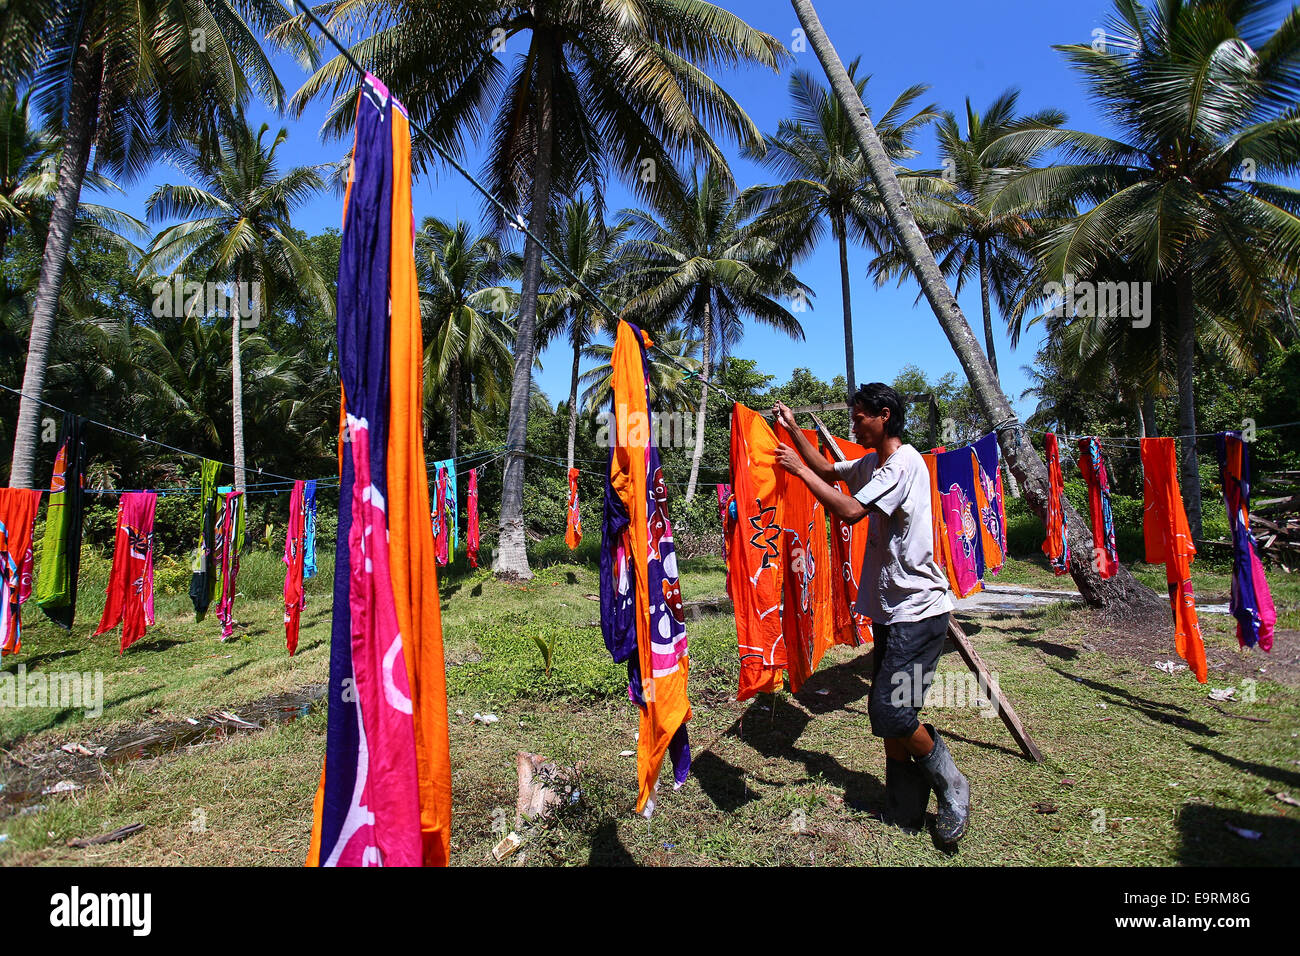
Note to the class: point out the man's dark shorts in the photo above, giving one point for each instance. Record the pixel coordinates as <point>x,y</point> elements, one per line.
<point>902,668</point>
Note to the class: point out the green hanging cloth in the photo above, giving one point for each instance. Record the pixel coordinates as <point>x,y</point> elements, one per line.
<point>56,590</point>
<point>204,581</point>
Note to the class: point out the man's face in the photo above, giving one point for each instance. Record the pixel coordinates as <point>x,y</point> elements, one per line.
<point>869,428</point>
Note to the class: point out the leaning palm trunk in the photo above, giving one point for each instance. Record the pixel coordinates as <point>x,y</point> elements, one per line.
<point>700,416</point>
<point>237,393</point>
<point>1190,465</point>
<point>1122,589</point>
<point>83,117</point>
<point>849,382</point>
<point>573,399</point>
<point>512,554</point>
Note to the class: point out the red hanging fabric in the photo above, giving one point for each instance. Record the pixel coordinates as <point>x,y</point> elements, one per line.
<point>18,507</point>
<point>129,598</point>
<point>1057,544</point>
<point>573,528</point>
<point>472,538</point>
<point>295,598</point>
<point>1105,554</point>
<point>1169,539</point>
<point>440,530</point>
<point>232,542</point>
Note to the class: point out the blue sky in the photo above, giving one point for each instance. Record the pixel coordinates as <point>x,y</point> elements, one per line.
<point>960,49</point>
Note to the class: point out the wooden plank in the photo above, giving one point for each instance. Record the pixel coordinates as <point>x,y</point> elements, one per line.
<point>1008,713</point>
<point>967,651</point>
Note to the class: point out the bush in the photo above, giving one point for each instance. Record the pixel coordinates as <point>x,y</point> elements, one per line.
<point>697,529</point>
<point>512,667</point>
<point>553,549</point>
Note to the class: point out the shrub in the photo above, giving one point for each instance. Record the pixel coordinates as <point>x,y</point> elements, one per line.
<point>511,667</point>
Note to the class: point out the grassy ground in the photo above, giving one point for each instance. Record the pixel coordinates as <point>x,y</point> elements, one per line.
<point>1139,768</point>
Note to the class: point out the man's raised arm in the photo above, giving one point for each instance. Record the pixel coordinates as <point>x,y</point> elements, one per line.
<point>820,467</point>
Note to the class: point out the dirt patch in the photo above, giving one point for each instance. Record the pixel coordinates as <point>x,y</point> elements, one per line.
<point>31,778</point>
<point>1149,637</point>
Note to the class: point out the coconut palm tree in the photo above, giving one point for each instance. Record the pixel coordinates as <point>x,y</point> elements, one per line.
<point>235,228</point>
<point>669,391</point>
<point>1202,94</point>
<point>827,180</point>
<point>1024,462</point>
<point>463,307</point>
<point>582,87</point>
<point>597,254</point>
<point>122,81</point>
<point>971,240</point>
<point>29,167</point>
<point>709,262</point>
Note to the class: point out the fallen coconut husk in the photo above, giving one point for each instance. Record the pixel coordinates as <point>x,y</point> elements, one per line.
<point>543,785</point>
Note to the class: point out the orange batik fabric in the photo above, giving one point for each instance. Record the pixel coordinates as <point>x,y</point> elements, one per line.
<point>779,571</point>
<point>754,565</point>
<point>1169,539</point>
<point>848,549</point>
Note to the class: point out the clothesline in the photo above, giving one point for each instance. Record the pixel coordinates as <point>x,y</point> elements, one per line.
<point>700,482</point>
<point>1135,441</point>
<point>514,219</point>
<point>143,438</point>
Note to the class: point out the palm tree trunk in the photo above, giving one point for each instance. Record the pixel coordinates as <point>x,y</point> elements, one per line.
<point>454,407</point>
<point>707,370</point>
<point>237,397</point>
<point>1149,426</point>
<point>1121,590</point>
<point>512,555</point>
<point>573,397</point>
<point>988,312</point>
<point>1189,469</point>
<point>849,379</point>
<point>83,116</point>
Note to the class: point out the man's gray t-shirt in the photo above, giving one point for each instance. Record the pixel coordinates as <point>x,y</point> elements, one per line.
<point>900,580</point>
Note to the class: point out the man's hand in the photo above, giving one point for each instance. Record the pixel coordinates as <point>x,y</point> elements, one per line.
<point>784,416</point>
<point>790,460</point>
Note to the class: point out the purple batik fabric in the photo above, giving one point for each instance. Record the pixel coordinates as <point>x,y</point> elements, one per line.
<point>1250,602</point>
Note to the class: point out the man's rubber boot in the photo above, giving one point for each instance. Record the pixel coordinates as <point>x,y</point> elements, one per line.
<point>951,788</point>
<point>907,794</point>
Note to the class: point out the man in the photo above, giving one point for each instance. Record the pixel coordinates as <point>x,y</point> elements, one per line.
<point>904,593</point>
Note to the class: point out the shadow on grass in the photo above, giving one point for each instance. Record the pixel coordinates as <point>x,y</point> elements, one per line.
<point>1289,778</point>
<point>1207,841</point>
<point>236,667</point>
<point>1060,651</point>
<point>607,849</point>
<point>39,659</point>
<point>775,734</point>
<point>1154,709</point>
<point>119,701</point>
<point>155,646</point>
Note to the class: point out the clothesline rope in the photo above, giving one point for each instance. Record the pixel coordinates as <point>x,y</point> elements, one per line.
<point>1135,441</point>
<point>143,438</point>
<point>700,482</point>
<point>515,220</point>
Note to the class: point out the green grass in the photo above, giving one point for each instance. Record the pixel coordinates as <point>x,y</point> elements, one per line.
<point>1140,769</point>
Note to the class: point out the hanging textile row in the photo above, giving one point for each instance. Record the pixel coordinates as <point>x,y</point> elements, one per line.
<point>788,607</point>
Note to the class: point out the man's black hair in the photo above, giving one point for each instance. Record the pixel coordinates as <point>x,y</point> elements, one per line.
<point>875,397</point>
